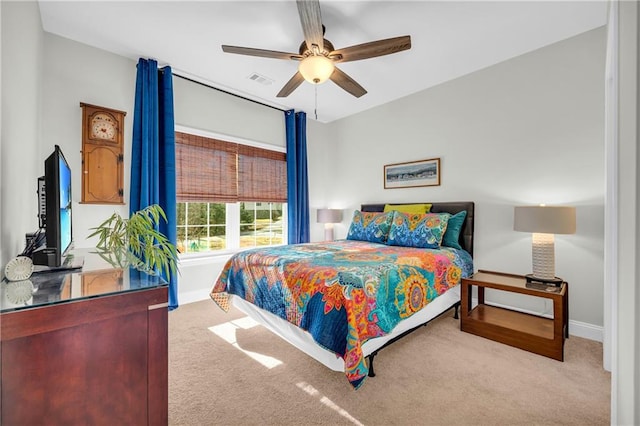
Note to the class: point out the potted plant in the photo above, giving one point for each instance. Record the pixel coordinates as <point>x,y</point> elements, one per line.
<point>135,242</point>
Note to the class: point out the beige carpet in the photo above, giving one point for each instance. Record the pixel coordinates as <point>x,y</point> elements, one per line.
<point>436,376</point>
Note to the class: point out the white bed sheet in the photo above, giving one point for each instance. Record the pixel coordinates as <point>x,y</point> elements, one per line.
<point>304,342</point>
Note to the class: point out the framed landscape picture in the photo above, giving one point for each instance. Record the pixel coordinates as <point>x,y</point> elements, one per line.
<point>413,173</point>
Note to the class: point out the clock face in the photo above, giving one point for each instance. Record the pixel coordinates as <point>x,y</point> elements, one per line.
<point>103,126</point>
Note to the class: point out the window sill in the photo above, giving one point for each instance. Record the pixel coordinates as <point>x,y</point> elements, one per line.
<point>214,255</point>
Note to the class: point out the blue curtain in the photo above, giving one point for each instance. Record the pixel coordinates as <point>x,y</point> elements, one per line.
<point>153,158</point>
<point>297,179</point>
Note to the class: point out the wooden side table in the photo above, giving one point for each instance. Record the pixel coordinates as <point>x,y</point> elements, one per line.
<point>534,333</point>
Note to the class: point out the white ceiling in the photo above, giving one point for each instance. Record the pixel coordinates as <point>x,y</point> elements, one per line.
<point>449,39</point>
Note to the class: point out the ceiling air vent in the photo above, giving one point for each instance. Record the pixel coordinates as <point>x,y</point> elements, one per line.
<point>260,79</point>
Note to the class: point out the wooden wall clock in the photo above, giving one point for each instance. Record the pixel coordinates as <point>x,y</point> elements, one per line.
<point>102,158</point>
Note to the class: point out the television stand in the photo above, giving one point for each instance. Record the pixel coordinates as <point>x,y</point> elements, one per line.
<point>70,263</point>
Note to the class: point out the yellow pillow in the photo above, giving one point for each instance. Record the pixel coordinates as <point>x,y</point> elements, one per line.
<point>408,208</point>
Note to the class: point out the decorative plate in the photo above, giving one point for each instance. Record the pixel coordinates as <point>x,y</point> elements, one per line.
<point>19,268</point>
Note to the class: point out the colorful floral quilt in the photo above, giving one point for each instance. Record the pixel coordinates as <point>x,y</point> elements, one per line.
<point>342,292</point>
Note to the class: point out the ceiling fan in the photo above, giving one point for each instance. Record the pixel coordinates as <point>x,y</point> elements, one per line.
<point>318,57</point>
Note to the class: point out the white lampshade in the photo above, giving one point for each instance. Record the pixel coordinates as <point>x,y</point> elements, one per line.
<point>545,219</point>
<point>329,216</point>
<point>543,222</point>
<point>316,69</point>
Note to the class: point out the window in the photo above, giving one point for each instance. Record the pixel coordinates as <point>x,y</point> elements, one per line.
<point>201,227</point>
<point>261,224</point>
<point>230,195</point>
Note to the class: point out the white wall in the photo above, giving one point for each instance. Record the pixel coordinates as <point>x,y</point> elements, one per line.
<point>1,135</point>
<point>22,159</point>
<point>78,73</point>
<point>203,108</point>
<point>321,151</point>
<point>526,131</point>
<point>625,378</point>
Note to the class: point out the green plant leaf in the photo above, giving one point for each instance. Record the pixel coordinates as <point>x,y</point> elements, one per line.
<point>136,242</point>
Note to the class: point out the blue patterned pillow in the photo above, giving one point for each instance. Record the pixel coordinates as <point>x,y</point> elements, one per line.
<point>452,236</point>
<point>369,226</point>
<point>418,230</point>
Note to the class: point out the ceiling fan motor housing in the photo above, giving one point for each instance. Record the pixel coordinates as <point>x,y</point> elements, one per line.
<point>326,49</point>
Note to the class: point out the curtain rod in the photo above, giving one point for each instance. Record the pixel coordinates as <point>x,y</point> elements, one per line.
<point>228,93</point>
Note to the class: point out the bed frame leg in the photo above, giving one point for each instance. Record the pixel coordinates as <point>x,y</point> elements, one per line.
<point>371,372</point>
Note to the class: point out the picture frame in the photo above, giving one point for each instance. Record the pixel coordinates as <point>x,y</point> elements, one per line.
<point>412,174</point>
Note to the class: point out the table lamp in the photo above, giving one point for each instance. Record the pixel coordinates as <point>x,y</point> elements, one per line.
<point>329,217</point>
<point>544,222</point>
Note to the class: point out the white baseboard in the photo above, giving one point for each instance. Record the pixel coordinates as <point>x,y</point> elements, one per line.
<point>585,330</point>
<point>576,328</point>
<point>193,296</point>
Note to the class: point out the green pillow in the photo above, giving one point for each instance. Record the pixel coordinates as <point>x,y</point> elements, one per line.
<point>408,208</point>
<point>454,227</point>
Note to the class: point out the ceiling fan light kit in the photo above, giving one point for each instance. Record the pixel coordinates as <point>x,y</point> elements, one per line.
<point>317,64</point>
<point>316,69</point>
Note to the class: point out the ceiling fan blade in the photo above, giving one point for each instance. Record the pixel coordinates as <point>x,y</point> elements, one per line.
<point>372,49</point>
<point>261,52</point>
<point>291,85</point>
<point>311,20</point>
<point>347,83</point>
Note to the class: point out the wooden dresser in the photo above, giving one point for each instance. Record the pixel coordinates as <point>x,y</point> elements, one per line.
<point>84,347</point>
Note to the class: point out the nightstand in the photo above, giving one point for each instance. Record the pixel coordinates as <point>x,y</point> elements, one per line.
<point>533,333</point>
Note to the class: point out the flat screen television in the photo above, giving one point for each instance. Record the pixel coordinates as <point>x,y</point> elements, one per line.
<point>57,215</point>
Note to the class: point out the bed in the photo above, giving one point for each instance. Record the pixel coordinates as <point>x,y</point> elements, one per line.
<point>342,301</point>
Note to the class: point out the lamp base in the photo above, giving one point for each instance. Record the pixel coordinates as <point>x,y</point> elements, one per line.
<point>328,234</point>
<point>552,281</point>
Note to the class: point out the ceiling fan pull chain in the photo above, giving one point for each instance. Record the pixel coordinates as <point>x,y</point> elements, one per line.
<point>315,111</point>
